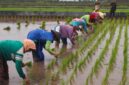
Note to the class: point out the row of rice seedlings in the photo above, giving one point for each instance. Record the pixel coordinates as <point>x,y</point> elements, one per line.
<point>112,59</point>
<point>74,56</point>
<point>99,61</point>
<point>88,42</point>
<point>82,64</point>
<point>125,52</point>
<point>66,62</point>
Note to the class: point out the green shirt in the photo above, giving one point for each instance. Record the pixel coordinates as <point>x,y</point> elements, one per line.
<point>9,49</point>
<point>87,18</point>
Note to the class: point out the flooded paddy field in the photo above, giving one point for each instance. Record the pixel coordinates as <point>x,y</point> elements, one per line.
<point>102,59</point>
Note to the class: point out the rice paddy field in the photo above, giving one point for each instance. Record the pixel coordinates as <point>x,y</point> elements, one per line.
<point>100,59</point>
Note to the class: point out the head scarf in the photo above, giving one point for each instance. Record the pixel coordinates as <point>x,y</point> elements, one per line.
<point>29,44</point>
<point>101,14</point>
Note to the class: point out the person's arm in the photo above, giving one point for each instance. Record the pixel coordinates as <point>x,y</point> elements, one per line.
<point>72,36</point>
<point>19,64</point>
<point>85,27</point>
<point>19,68</point>
<point>47,47</point>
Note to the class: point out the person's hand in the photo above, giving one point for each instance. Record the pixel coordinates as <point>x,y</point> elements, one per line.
<point>56,54</point>
<point>27,81</point>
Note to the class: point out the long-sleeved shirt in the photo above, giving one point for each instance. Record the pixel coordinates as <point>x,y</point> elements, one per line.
<point>9,50</point>
<point>40,35</point>
<point>42,38</point>
<point>87,18</point>
<point>67,31</point>
<point>79,22</point>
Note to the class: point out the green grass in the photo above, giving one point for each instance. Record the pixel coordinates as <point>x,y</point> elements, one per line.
<point>58,9</point>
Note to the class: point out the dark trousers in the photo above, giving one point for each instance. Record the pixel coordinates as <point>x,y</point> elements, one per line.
<point>38,54</point>
<point>112,14</point>
<point>4,75</point>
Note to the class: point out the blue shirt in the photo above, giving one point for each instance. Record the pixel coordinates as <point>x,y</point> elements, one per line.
<point>40,35</point>
<point>77,22</point>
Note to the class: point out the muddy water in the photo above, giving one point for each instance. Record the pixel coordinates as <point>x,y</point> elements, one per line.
<point>16,34</point>
<point>116,75</point>
<point>128,64</point>
<point>81,79</point>
<point>98,79</point>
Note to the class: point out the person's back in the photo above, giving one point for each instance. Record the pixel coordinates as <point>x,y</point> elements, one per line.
<point>87,18</point>
<point>39,34</point>
<point>9,47</point>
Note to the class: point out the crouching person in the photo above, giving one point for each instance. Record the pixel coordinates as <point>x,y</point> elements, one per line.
<point>11,50</point>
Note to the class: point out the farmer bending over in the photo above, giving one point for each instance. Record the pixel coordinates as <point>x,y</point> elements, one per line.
<point>13,50</point>
<point>42,39</point>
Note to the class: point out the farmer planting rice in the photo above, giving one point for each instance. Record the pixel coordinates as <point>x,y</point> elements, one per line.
<point>42,39</point>
<point>94,17</point>
<point>13,50</point>
<point>64,32</point>
<point>89,20</point>
<point>100,17</point>
<point>78,23</point>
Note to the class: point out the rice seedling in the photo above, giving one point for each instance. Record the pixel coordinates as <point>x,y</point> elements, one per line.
<point>33,20</point>
<point>58,21</point>
<point>51,64</point>
<point>99,61</point>
<point>68,20</point>
<point>18,25</point>
<point>125,52</point>
<point>79,52</point>
<point>112,59</point>
<point>29,64</point>
<point>80,66</point>
<point>43,25</point>
<point>27,23</point>
<point>7,28</point>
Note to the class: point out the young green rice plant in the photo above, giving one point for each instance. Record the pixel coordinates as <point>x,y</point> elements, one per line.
<point>112,59</point>
<point>43,25</point>
<point>51,64</point>
<point>68,20</point>
<point>99,61</point>
<point>74,57</point>
<point>33,20</point>
<point>58,21</point>
<point>81,64</point>
<point>18,25</point>
<point>7,28</point>
<point>125,52</point>
<point>80,51</point>
<point>27,23</point>
<point>99,29</point>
